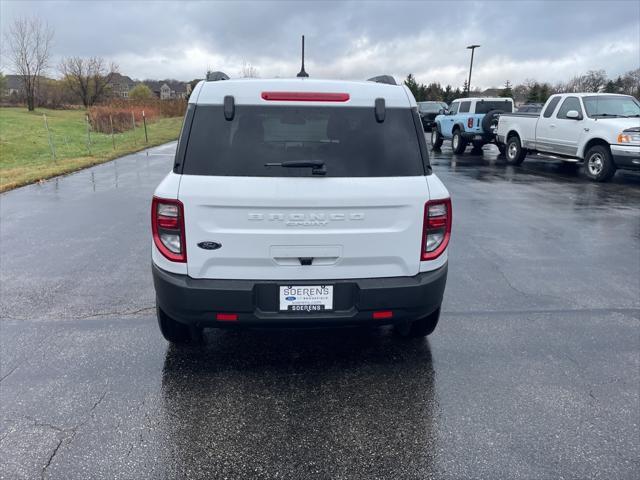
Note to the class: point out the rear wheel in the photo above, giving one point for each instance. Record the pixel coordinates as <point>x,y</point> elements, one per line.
<point>436,139</point>
<point>502,149</point>
<point>515,153</point>
<point>176,332</point>
<point>421,327</point>
<point>598,163</point>
<point>458,144</point>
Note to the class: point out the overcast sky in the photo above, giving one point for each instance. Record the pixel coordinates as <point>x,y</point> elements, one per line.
<point>544,40</point>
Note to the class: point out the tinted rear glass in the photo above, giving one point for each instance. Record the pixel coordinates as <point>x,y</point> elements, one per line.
<point>487,106</point>
<point>348,139</point>
<point>429,107</point>
<point>551,107</point>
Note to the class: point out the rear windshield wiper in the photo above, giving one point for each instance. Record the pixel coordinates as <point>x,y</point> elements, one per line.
<point>317,166</point>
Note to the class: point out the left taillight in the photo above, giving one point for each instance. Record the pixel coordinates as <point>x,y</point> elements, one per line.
<point>436,229</point>
<point>167,225</point>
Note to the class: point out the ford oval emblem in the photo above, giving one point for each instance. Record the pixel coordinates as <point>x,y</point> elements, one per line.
<point>210,245</point>
<point>290,299</point>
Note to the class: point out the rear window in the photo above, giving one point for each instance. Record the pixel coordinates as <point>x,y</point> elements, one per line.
<point>551,107</point>
<point>348,139</point>
<point>429,107</point>
<point>485,106</point>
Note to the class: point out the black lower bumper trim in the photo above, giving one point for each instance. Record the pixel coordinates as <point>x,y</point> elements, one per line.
<point>473,137</point>
<point>626,161</point>
<point>197,301</point>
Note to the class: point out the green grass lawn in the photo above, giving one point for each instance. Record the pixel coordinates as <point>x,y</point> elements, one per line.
<point>25,155</point>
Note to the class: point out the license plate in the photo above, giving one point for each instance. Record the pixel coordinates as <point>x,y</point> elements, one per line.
<point>306,298</point>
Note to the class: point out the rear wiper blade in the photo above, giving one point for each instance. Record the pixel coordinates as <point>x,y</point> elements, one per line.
<point>317,166</point>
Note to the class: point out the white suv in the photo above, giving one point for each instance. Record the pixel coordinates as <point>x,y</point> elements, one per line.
<point>300,202</point>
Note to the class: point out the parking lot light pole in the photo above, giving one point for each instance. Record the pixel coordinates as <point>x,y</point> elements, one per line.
<point>472,48</point>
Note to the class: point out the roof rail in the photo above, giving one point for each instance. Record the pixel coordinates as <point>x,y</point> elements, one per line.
<point>215,76</point>
<point>388,79</point>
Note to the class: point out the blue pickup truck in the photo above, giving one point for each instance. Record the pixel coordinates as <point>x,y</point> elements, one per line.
<point>470,120</point>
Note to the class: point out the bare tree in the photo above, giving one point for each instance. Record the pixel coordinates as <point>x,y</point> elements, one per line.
<point>631,83</point>
<point>29,46</point>
<point>592,81</point>
<point>88,78</point>
<point>248,70</point>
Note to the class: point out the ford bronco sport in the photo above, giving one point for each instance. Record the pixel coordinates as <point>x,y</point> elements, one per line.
<point>299,203</point>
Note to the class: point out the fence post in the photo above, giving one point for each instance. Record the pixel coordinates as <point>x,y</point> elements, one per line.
<point>144,120</point>
<point>133,123</point>
<point>88,134</point>
<point>51,146</point>
<point>113,140</point>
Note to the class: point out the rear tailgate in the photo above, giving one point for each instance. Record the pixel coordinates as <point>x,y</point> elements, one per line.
<point>336,228</point>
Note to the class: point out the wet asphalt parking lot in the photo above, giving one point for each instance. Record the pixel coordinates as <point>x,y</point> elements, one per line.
<point>533,372</point>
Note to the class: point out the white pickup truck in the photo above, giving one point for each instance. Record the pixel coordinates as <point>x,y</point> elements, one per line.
<point>603,130</point>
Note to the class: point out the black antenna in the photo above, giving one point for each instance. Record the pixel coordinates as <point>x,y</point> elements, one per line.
<point>302,73</point>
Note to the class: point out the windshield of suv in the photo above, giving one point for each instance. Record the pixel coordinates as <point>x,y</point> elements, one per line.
<point>429,107</point>
<point>611,106</point>
<point>483,106</point>
<point>349,141</point>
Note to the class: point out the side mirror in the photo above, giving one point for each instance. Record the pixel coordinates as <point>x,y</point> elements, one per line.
<point>574,115</point>
<point>441,111</point>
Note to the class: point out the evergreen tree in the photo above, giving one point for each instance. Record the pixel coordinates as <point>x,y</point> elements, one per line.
<point>507,91</point>
<point>411,83</point>
<point>610,87</point>
<point>534,93</point>
<point>545,93</point>
<point>447,95</point>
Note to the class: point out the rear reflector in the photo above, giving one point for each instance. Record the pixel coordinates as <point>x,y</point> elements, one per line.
<point>226,317</point>
<point>305,97</point>
<point>383,314</point>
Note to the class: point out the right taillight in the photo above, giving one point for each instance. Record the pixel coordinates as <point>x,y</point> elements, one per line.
<point>167,224</point>
<point>437,228</point>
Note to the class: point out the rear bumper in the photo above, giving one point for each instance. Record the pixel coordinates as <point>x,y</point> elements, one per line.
<point>626,156</point>
<point>428,123</point>
<point>478,137</point>
<point>197,301</point>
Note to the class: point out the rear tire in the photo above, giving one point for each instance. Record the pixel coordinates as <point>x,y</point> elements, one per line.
<point>598,163</point>
<point>176,332</point>
<point>515,153</point>
<point>436,138</point>
<point>502,150</point>
<point>421,327</point>
<point>458,144</point>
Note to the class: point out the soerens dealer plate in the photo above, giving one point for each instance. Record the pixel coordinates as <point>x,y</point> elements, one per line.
<point>306,298</point>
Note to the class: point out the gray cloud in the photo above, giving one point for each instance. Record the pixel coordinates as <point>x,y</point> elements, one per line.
<point>546,40</point>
